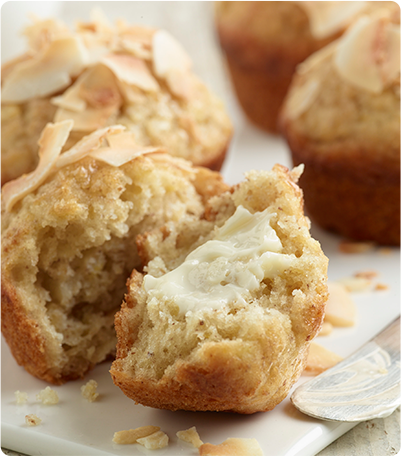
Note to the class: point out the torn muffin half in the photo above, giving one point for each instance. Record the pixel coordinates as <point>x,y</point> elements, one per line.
<point>222,318</point>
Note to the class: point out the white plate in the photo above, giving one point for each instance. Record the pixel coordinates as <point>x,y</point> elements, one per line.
<point>76,427</point>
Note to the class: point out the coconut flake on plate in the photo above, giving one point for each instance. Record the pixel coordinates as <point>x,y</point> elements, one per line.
<point>47,72</point>
<point>340,308</point>
<point>51,142</point>
<point>320,359</point>
<point>328,18</point>
<point>232,447</point>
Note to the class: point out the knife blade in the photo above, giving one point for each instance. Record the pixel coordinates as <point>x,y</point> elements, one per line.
<point>364,386</point>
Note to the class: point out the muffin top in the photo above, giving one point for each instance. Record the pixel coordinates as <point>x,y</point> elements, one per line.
<point>101,74</point>
<point>350,90</point>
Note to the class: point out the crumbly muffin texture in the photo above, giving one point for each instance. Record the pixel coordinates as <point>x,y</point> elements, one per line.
<point>68,248</point>
<point>108,74</point>
<point>244,356</point>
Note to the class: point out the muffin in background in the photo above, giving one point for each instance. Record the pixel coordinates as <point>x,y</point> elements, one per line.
<point>102,74</point>
<point>263,42</point>
<point>341,119</point>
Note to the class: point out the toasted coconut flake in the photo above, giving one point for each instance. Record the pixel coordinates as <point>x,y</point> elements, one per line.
<point>320,359</point>
<point>326,329</point>
<point>180,163</point>
<point>303,98</point>
<point>43,31</point>
<point>88,120</point>
<point>50,143</point>
<point>356,247</point>
<point>132,435</point>
<point>32,420</point>
<point>7,67</point>
<point>168,55</point>
<point>355,284</point>
<point>155,441</point>
<point>359,40</point>
<point>381,287</point>
<point>46,73</point>
<point>97,86</point>
<point>368,55</point>
<point>70,100</point>
<point>136,48</point>
<point>124,139</point>
<point>368,274</point>
<point>98,89</point>
<point>120,156</point>
<point>181,83</point>
<point>232,447</point>
<point>86,145</point>
<point>190,436</point>
<point>340,308</point>
<point>327,18</point>
<point>98,16</point>
<point>131,70</point>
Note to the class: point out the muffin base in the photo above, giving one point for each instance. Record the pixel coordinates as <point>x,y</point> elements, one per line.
<point>361,208</point>
<point>259,92</point>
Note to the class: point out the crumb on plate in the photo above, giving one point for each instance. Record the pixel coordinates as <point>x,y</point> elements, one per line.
<point>32,420</point>
<point>89,391</point>
<point>132,435</point>
<point>47,396</point>
<point>232,447</point>
<point>21,397</point>
<point>381,286</point>
<point>356,247</point>
<point>355,284</point>
<point>155,441</point>
<point>190,436</point>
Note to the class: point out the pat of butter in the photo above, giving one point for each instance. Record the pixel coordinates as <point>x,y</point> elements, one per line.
<point>244,252</point>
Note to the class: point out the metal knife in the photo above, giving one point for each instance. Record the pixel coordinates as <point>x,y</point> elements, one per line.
<point>364,386</point>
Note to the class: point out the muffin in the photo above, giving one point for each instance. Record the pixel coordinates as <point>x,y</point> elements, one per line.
<point>223,315</point>
<point>68,242</point>
<point>342,120</point>
<point>263,42</point>
<point>103,74</point>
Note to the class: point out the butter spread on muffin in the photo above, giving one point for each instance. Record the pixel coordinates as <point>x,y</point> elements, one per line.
<point>222,321</point>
